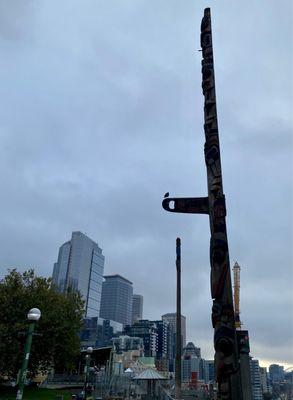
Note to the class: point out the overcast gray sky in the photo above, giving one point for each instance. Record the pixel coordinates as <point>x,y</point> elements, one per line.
<point>102,113</point>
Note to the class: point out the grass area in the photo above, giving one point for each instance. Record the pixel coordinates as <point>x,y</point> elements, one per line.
<point>34,394</point>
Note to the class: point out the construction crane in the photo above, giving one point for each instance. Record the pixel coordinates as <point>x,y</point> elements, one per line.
<point>236,276</point>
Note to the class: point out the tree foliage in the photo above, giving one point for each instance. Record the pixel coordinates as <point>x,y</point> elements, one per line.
<point>56,342</point>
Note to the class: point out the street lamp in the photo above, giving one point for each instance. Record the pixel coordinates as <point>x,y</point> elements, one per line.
<point>33,316</point>
<point>89,351</point>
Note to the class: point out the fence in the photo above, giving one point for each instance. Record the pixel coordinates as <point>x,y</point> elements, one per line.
<point>63,379</point>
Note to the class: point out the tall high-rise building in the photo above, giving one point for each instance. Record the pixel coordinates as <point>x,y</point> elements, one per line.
<point>190,367</point>
<point>137,307</point>
<point>190,349</point>
<point>162,345</point>
<point>255,379</point>
<point>80,266</point>
<point>277,373</point>
<point>209,371</point>
<point>171,318</point>
<point>191,363</point>
<point>264,380</point>
<point>116,302</point>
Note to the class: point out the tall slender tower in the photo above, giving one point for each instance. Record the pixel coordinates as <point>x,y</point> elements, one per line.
<point>225,342</point>
<point>236,276</point>
<point>137,307</point>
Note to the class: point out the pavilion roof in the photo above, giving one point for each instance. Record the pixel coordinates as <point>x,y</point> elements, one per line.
<point>149,374</point>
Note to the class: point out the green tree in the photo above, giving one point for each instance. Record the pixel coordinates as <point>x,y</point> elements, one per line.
<point>56,342</point>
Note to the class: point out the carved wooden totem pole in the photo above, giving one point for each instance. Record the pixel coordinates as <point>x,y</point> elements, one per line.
<point>225,343</point>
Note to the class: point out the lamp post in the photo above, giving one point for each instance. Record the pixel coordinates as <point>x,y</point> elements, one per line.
<point>89,351</point>
<point>33,316</point>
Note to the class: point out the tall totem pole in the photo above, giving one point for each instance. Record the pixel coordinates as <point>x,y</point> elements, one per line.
<point>223,320</point>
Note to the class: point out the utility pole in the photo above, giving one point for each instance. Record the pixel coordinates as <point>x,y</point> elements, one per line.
<point>178,323</point>
<point>223,320</point>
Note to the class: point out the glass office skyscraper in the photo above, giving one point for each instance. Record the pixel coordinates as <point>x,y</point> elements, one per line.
<point>80,266</point>
<point>116,304</point>
<point>171,318</point>
<point>137,307</point>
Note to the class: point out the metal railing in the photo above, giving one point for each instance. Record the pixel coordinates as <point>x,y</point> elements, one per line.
<point>65,379</point>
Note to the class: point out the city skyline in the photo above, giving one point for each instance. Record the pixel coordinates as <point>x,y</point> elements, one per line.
<point>103,114</point>
<point>263,362</point>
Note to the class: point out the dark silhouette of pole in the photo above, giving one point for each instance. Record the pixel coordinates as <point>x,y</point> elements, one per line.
<point>243,349</point>
<point>223,320</point>
<point>178,323</point>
